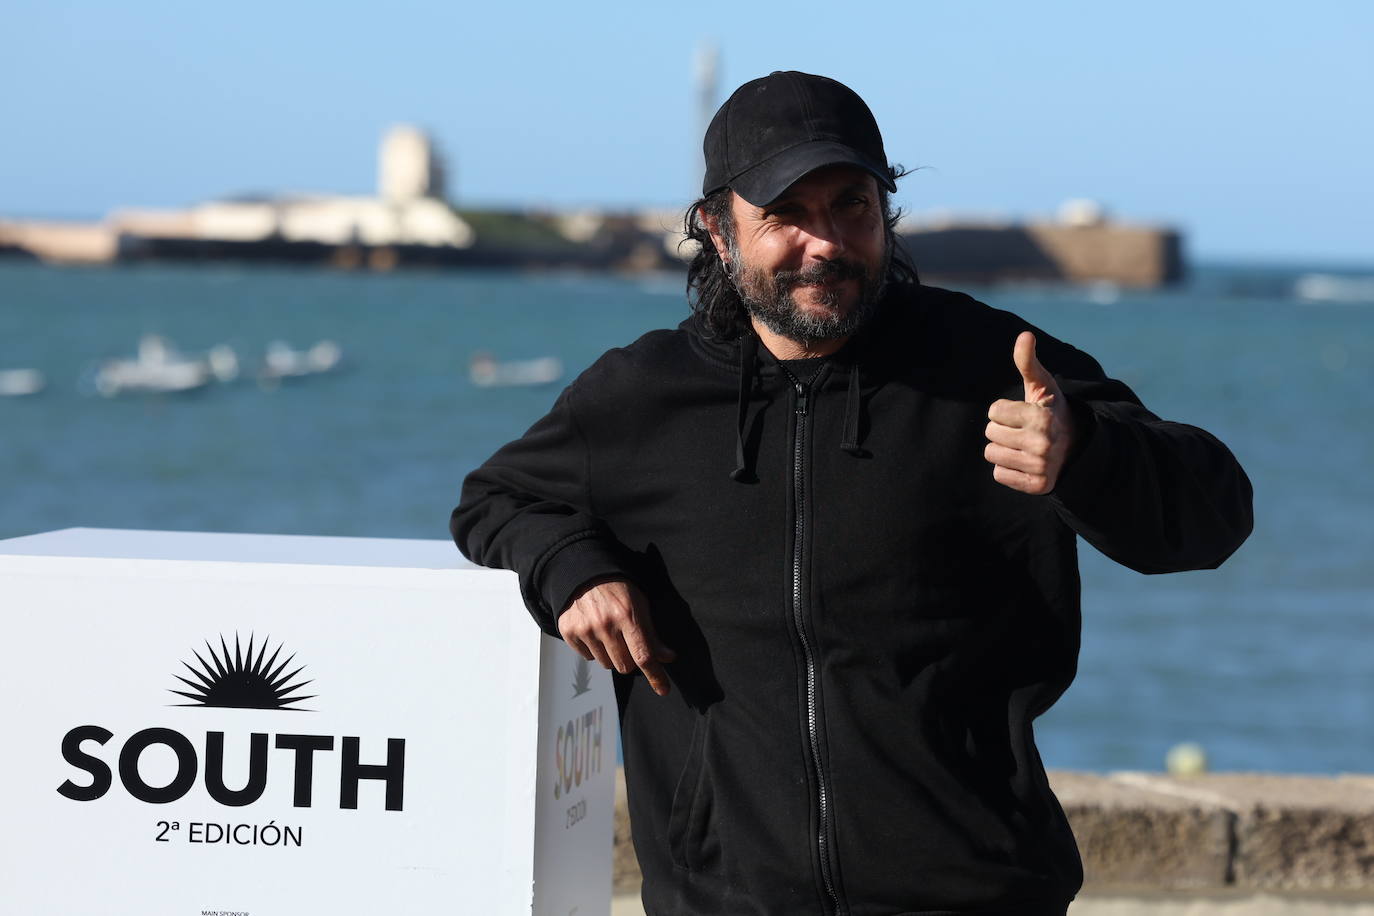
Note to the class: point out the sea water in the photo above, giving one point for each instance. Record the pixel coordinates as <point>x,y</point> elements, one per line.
<point>1268,662</point>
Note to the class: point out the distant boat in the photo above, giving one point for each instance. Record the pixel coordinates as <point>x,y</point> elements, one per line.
<point>282,362</point>
<point>160,368</point>
<point>486,372</point>
<point>224,362</point>
<point>15,383</point>
<point>1103,292</point>
<point>1334,288</point>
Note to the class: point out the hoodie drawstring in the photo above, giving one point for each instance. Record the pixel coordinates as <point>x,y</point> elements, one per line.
<point>748,356</point>
<point>850,441</point>
<point>748,352</point>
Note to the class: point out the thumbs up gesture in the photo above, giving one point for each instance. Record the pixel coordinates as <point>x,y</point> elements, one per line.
<point>1029,440</point>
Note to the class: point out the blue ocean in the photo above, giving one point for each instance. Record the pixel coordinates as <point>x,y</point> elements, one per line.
<point>1268,663</point>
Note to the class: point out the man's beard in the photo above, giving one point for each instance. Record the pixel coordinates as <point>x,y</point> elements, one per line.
<point>768,297</point>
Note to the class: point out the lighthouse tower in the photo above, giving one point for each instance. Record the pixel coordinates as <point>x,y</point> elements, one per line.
<point>409,168</point>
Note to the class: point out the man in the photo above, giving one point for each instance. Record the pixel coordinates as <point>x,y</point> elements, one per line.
<point>831,521</point>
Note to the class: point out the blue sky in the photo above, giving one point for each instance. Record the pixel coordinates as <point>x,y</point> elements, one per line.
<point>1247,124</point>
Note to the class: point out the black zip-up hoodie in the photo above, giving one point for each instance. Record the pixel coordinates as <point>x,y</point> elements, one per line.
<point>866,623</point>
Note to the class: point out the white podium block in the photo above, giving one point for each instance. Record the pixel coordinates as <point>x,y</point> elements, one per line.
<point>285,726</point>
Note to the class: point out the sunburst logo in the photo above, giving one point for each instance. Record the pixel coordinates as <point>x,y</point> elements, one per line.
<point>242,681</point>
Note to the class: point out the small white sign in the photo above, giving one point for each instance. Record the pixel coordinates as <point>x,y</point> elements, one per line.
<point>284,726</point>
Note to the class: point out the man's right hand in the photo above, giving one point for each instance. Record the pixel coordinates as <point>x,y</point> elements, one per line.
<point>608,621</point>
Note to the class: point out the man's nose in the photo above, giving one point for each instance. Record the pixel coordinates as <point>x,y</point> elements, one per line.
<point>824,240</point>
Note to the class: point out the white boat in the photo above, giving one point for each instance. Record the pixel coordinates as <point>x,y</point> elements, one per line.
<point>1334,288</point>
<point>1103,292</point>
<point>224,362</point>
<point>281,361</point>
<point>15,383</point>
<point>159,368</point>
<point>486,372</point>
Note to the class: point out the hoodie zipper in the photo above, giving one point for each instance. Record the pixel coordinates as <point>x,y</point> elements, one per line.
<point>801,424</point>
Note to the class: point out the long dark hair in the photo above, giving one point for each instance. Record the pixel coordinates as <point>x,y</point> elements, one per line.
<point>712,293</point>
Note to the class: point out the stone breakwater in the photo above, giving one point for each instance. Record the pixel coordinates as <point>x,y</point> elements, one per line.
<point>1253,840</point>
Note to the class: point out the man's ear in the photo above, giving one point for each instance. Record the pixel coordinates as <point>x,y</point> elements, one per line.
<point>713,229</point>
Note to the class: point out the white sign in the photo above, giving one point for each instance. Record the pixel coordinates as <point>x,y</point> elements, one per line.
<point>285,726</point>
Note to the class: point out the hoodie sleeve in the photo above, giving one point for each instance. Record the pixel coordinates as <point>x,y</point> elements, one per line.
<point>1153,495</point>
<point>529,509</point>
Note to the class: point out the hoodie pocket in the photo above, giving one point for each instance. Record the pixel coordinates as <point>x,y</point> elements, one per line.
<point>685,819</point>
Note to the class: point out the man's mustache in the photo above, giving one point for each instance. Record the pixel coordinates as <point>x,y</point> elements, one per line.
<point>822,272</point>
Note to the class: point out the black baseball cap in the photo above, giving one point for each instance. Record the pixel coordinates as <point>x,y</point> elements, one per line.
<point>775,129</point>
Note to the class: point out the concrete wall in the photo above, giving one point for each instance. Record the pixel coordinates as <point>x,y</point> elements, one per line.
<point>62,243</point>
<point>1126,255</point>
<point>1225,843</point>
<point>1134,256</point>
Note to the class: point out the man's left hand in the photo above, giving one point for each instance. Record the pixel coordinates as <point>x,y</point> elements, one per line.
<point>1029,440</point>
